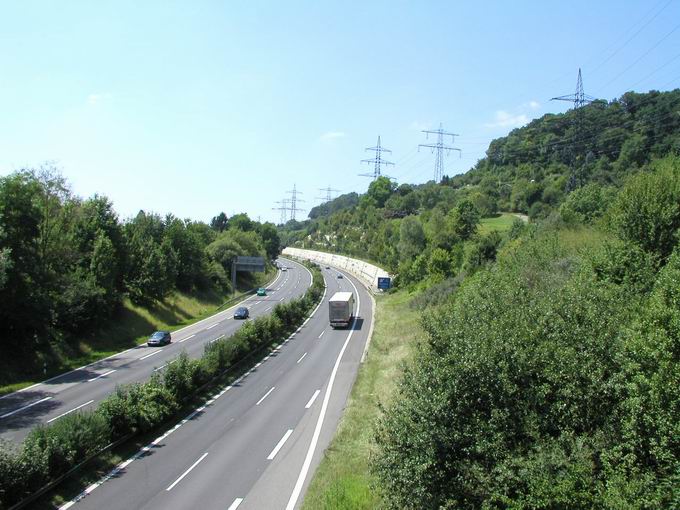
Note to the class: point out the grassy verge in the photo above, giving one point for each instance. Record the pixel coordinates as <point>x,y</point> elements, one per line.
<point>343,479</point>
<point>129,328</point>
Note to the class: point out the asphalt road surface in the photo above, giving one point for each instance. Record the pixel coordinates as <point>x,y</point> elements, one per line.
<point>83,388</point>
<point>256,443</point>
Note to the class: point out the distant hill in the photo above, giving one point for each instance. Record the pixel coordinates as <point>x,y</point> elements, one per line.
<point>345,201</point>
<point>528,171</point>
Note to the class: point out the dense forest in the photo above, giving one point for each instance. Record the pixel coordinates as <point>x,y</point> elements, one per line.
<point>67,263</point>
<point>550,375</point>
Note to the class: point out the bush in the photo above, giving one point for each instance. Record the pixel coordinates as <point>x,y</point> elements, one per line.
<point>518,377</point>
<point>647,210</point>
<point>69,440</point>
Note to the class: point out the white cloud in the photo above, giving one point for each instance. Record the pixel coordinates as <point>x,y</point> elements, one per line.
<point>534,105</point>
<point>332,135</point>
<point>420,126</point>
<point>98,97</point>
<point>505,119</point>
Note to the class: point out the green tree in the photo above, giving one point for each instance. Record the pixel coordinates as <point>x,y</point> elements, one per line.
<point>380,190</point>
<point>270,239</point>
<point>647,210</point>
<point>219,223</point>
<point>411,238</point>
<point>465,219</point>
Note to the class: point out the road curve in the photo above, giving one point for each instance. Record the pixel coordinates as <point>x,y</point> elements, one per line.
<point>83,388</point>
<point>256,443</point>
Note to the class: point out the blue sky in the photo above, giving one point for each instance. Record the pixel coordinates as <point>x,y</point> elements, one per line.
<point>197,107</point>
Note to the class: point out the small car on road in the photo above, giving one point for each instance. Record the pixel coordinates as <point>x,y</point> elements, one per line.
<point>340,275</point>
<point>261,292</point>
<point>241,313</point>
<point>159,338</point>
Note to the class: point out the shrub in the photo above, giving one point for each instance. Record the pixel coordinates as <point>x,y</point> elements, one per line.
<point>647,210</point>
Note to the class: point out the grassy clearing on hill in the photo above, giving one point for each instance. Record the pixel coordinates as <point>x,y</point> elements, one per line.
<point>343,479</point>
<point>501,223</point>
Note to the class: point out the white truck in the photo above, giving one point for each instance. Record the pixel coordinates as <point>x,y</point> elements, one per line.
<point>341,309</point>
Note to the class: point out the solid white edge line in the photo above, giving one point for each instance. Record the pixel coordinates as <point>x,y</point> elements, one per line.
<point>265,396</point>
<point>102,375</point>
<point>301,358</point>
<point>311,400</point>
<point>235,504</point>
<point>322,333</point>
<point>25,407</point>
<point>187,471</point>
<point>69,412</point>
<point>280,444</point>
<point>319,423</point>
<point>149,355</point>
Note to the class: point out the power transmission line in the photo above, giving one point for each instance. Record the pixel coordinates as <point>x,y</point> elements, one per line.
<point>377,160</point>
<point>440,147</point>
<point>328,191</point>
<point>283,207</point>
<point>580,99</point>
<point>293,202</point>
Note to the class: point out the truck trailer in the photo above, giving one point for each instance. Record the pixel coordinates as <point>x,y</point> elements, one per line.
<point>341,309</point>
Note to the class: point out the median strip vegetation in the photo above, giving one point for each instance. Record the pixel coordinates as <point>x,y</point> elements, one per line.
<point>50,451</point>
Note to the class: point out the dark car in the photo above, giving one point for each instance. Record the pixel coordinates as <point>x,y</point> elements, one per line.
<point>340,275</point>
<point>159,338</point>
<point>241,313</point>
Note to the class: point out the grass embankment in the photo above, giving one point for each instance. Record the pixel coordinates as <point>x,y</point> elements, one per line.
<point>501,223</point>
<point>130,327</point>
<point>343,479</point>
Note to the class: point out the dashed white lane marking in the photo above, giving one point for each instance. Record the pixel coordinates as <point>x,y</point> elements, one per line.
<point>149,355</point>
<point>187,471</point>
<point>187,338</point>
<point>292,501</point>
<point>301,358</point>
<point>25,407</point>
<point>265,396</point>
<point>281,299</point>
<point>163,366</point>
<point>322,333</point>
<point>280,445</point>
<point>212,326</point>
<point>267,309</point>
<point>102,375</point>
<point>235,504</point>
<point>311,400</point>
<point>69,412</point>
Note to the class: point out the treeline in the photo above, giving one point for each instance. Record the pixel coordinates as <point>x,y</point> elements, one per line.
<point>426,233</point>
<point>67,263</point>
<point>529,170</point>
<point>551,379</point>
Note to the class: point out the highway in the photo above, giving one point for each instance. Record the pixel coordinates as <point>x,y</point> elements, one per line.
<point>83,388</point>
<point>254,444</point>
